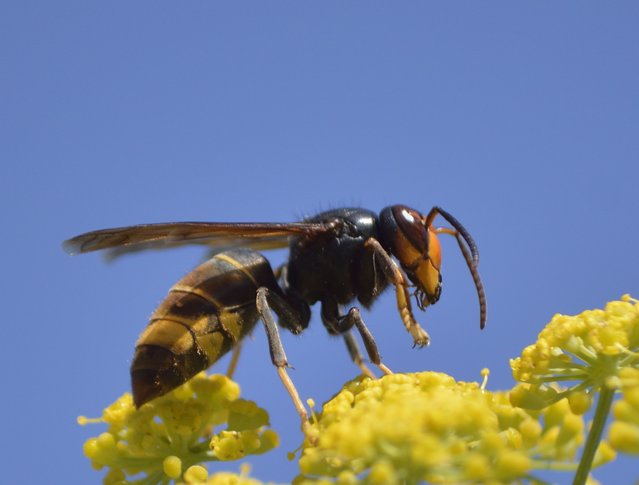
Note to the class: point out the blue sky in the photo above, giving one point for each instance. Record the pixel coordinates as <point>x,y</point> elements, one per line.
<point>520,119</point>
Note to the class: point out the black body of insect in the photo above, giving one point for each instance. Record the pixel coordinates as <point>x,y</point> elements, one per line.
<point>336,257</point>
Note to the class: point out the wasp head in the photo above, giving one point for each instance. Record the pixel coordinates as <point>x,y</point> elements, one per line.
<point>414,243</point>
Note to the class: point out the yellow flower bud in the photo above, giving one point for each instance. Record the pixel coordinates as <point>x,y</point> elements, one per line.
<point>172,466</point>
<point>579,401</point>
<point>91,448</point>
<point>624,437</point>
<point>382,473</point>
<point>195,473</point>
<point>346,477</point>
<point>477,467</point>
<point>511,464</point>
<point>530,430</point>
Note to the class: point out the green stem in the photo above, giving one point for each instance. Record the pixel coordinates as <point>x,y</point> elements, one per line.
<point>594,436</point>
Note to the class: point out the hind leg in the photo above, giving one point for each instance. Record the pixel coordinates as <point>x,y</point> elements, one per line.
<point>266,301</point>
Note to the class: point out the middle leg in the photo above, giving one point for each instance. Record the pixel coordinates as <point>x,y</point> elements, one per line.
<point>356,355</point>
<point>341,325</point>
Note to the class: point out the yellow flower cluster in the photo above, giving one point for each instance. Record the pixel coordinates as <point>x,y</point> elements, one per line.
<point>409,428</point>
<point>406,428</point>
<point>168,437</point>
<point>588,350</point>
<point>593,353</point>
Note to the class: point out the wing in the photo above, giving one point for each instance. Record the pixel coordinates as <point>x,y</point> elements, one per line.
<point>213,234</point>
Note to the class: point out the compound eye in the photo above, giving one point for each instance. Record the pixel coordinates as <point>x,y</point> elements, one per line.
<point>410,223</point>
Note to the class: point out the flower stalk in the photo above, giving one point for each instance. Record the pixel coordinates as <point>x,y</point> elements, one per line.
<point>602,411</point>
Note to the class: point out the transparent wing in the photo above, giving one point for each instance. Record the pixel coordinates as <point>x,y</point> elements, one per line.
<point>173,234</point>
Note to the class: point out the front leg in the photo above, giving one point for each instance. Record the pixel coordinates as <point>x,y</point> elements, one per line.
<point>397,278</point>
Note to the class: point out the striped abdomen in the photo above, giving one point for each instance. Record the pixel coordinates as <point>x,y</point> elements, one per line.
<point>205,314</point>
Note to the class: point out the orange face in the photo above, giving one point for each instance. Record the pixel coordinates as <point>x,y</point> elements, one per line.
<point>428,271</point>
<point>419,253</point>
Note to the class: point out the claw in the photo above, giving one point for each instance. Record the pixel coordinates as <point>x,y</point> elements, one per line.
<point>420,337</point>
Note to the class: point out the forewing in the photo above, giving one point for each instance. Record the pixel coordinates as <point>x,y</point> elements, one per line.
<point>173,234</point>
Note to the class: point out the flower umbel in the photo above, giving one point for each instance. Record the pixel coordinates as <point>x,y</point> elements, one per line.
<point>168,437</point>
<point>588,349</point>
<point>409,428</point>
<point>590,352</point>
